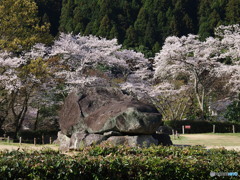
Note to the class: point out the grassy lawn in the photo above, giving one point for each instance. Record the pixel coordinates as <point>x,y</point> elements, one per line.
<point>209,139</point>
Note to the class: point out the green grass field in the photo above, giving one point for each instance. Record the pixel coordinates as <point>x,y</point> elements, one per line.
<point>209,139</point>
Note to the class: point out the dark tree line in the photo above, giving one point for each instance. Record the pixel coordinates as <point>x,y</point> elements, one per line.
<point>139,24</point>
<point>50,11</point>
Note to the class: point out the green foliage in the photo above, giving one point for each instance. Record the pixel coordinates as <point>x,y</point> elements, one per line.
<point>20,27</point>
<point>105,27</point>
<point>233,12</point>
<point>106,162</point>
<point>134,23</point>
<point>233,111</point>
<point>139,23</point>
<point>212,13</point>
<point>203,126</point>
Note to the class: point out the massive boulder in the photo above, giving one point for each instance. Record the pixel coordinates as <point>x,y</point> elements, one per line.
<point>100,113</point>
<point>132,141</point>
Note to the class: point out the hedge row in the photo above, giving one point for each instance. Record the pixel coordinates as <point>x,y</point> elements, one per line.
<point>107,162</point>
<point>203,126</point>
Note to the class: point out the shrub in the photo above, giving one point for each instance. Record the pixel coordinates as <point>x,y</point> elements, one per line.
<point>111,162</point>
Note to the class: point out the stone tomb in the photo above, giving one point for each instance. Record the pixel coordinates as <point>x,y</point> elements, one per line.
<point>107,115</point>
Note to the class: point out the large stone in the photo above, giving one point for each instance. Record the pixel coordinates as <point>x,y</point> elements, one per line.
<point>81,140</point>
<point>64,142</point>
<point>163,139</point>
<point>93,139</point>
<point>164,130</point>
<point>103,114</point>
<point>129,116</point>
<point>77,141</point>
<point>112,133</point>
<point>100,110</point>
<point>70,114</point>
<point>132,141</point>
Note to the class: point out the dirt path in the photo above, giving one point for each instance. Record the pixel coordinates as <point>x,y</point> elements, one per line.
<point>203,136</point>
<point>207,136</point>
<point>26,147</point>
<point>236,148</point>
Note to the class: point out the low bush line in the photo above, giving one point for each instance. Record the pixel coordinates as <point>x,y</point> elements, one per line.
<point>108,162</point>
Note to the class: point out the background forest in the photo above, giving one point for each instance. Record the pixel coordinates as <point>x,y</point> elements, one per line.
<point>139,24</point>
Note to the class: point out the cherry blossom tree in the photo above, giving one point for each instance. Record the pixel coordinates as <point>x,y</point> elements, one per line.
<point>230,52</point>
<point>22,78</point>
<point>184,67</point>
<point>197,64</point>
<point>172,102</point>
<point>78,61</point>
<point>230,41</point>
<point>186,64</point>
<point>8,81</point>
<point>93,61</point>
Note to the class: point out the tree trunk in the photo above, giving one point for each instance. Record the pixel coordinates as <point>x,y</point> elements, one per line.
<point>19,117</point>
<point>200,97</point>
<point>37,121</point>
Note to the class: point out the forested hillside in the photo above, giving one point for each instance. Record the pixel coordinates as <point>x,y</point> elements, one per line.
<point>144,24</point>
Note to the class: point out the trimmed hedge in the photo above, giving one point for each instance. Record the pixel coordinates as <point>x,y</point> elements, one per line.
<point>203,126</point>
<point>108,162</point>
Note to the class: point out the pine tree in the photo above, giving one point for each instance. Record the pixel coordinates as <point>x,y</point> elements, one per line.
<point>151,21</point>
<point>233,12</point>
<point>156,48</point>
<point>130,38</point>
<point>140,25</point>
<point>149,36</point>
<point>113,33</point>
<point>66,19</point>
<point>105,27</point>
<point>78,20</point>
<point>212,14</point>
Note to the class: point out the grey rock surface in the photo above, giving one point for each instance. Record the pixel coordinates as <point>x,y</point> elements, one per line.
<point>76,141</point>
<point>102,114</point>
<point>64,142</point>
<point>102,110</point>
<point>132,141</point>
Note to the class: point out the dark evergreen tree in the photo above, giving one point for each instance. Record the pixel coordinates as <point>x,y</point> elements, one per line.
<point>50,11</point>
<point>66,19</point>
<point>105,27</point>
<point>150,33</point>
<point>156,48</point>
<point>140,25</point>
<point>114,32</point>
<point>145,24</point>
<point>130,38</point>
<point>233,12</point>
<point>212,14</point>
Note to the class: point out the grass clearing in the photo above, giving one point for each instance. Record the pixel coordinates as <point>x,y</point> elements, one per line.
<point>226,140</point>
<point>209,140</point>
